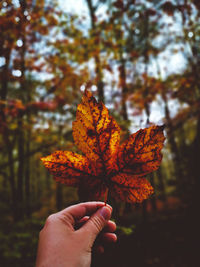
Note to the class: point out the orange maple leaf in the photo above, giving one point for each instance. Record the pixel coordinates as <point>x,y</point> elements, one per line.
<point>107,165</point>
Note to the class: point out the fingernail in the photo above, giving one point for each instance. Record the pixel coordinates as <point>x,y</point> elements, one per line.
<point>105,213</point>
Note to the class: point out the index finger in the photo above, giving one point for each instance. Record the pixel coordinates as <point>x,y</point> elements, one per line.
<point>80,210</point>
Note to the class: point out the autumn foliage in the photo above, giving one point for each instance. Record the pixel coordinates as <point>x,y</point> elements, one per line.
<point>106,164</point>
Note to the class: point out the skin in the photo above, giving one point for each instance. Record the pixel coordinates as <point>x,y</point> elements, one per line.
<point>68,236</point>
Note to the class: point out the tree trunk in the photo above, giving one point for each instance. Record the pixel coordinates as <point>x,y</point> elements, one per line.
<point>27,178</point>
<point>123,85</point>
<point>153,198</point>
<point>95,34</point>
<point>6,135</point>
<point>195,163</point>
<point>174,148</point>
<point>144,211</point>
<point>21,139</point>
<point>161,184</point>
<point>14,203</point>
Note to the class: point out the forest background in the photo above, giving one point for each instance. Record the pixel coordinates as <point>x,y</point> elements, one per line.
<point>142,59</point>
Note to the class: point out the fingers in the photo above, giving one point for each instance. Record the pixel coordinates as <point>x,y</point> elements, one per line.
<point>102,240</point>
<point>81,222</point>
<point>110,227</point>
<point>99,249</point>
<point>91,219</point>
<point>97,222</point>
<point>83,209</point>
<point>106,236</point>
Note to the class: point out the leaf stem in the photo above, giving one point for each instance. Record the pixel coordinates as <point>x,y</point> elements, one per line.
<point>106,196</point>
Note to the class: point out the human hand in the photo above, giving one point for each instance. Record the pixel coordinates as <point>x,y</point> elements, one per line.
<point>68,236</point>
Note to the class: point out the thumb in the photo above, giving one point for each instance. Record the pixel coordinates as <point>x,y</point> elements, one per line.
<point>97,222</point>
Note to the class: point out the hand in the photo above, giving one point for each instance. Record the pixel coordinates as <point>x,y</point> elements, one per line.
<point>68,236</point>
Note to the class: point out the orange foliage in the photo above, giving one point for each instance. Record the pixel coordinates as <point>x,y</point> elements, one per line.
<point>106,164</point>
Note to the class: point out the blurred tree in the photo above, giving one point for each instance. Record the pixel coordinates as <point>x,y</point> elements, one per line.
<point>27,31</point>
<point>95,42</point>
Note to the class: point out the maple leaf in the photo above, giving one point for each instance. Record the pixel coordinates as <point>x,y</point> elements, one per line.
<point>107,165</point>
